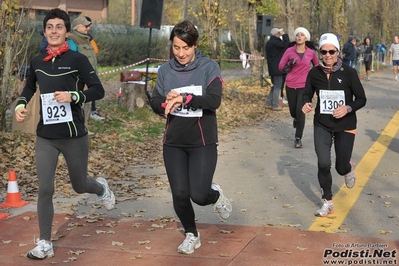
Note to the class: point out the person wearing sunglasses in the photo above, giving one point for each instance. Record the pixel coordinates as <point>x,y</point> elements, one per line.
<point>297,60</point>
<point>81,41</point>
<point>339,95</point>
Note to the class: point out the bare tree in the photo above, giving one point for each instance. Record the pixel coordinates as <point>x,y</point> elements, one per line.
<point>212,16</point>
<point>14,40</point>
<point>120,12</point>
<point>288,7</point>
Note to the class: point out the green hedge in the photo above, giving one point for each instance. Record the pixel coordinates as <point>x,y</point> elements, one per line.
<point>119,50</point>
<point>126,49</point>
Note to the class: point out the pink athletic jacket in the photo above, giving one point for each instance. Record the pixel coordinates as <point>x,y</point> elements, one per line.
<point>296,78</point>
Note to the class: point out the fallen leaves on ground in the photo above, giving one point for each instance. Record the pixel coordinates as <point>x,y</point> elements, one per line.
<point>243,104</point>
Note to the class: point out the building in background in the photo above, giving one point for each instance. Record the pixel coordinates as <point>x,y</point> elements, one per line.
<point>97,10</point>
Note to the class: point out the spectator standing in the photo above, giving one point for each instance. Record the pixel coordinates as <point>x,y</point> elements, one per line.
<point>82,43</point>
<point>61,75</point>
<point>188,91</point>
<point>275,48</point>
<point>381,49</point>
<point>359,52</point>
<point>339,95</point>
<point>367,56</point>
<point>297,61</point>
<point>349,51</point>
<point>92,41</point>
<point>394,49</point>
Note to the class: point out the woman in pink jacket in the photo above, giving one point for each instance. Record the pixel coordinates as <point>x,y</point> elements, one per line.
<point>297,60</point>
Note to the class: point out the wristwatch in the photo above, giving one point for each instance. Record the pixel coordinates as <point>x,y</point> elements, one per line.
<point>349,109</point>
<point>184,95</point>
<point>74,97</point>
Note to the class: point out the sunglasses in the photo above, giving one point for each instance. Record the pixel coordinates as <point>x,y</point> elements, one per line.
<point>331,52</point>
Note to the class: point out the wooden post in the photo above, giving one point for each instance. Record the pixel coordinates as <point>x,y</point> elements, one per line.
<point>133,96</point>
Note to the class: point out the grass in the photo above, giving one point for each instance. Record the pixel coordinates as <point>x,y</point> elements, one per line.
<point>133,126</point>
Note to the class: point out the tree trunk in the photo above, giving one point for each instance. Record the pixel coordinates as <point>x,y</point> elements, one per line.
<point>133,96</point>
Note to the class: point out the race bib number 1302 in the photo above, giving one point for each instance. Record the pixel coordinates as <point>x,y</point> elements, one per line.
<point>54,112</point>
<point>330,100</point>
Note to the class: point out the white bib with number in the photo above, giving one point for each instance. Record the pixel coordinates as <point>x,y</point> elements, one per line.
<point>188,111</point>
<point>329,100</point>
<point>54,112</point>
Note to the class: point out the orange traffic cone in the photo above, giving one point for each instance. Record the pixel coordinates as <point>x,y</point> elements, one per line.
<point>13,199</point>
<point>3,215</point>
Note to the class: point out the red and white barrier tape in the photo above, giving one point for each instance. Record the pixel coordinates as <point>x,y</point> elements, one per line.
<point>132,65</point>
<point>250,57</point>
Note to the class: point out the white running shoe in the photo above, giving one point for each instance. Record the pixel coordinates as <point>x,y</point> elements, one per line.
<point>326,209</point>
<point>41,251</point>
<point>108,198</point>
<point>223,205</point>
<point>285,101</point>
<point>189,244</point>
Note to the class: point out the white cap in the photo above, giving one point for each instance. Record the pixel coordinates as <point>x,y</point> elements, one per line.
<point>274,31</point>
<point>329,38</point>
<point>304,31</point>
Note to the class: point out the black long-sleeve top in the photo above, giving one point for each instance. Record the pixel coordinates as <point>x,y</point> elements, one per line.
<point>345,78</point>
<point>69,72</point>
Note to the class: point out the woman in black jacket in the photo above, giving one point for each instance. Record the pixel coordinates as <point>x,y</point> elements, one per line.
<point>368,56</point>
<point>339,95</point>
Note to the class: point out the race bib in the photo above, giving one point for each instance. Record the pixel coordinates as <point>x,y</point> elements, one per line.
<point>329,100</point>
<point>54,112</point>
<point>185,111</point>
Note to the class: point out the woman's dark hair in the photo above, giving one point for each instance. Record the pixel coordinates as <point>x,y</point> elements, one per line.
<point>186,32</point>
<point>309,44</point>
<point>364,42</point>
<point>58,13</point>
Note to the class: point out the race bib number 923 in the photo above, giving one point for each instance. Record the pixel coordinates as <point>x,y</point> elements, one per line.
<point>54,112</point>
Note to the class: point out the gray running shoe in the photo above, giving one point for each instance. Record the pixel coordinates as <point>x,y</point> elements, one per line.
<point>223,205</point>
<point>350,178</point>
<point>95,115</point>
<point>298,143</point>
<point>41,251</point>
<point>108,198</point>
<point>326,209</point>
<point>189,244</point>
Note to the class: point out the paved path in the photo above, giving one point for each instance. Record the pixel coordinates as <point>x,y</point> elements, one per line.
<point>274,191</point>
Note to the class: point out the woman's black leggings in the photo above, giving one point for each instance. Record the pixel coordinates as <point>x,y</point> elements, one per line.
<point>343,145</point>
<point>294,97</point>
<point>190,174</point>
